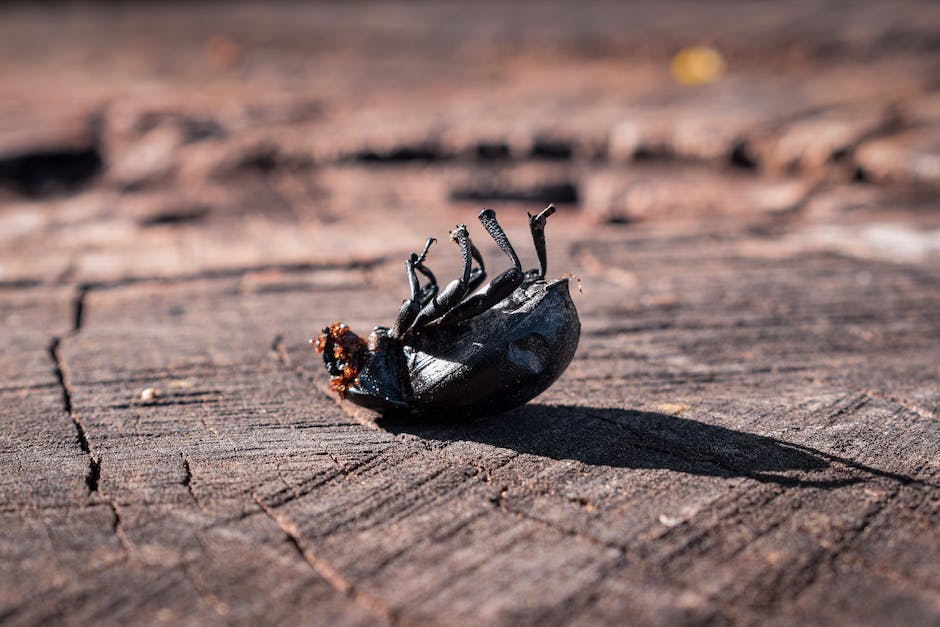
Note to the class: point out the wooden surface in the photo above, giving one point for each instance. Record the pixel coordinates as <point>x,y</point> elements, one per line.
<point>748,433</point>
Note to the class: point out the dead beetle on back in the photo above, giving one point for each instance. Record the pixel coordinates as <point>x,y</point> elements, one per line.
<point>456,350</point>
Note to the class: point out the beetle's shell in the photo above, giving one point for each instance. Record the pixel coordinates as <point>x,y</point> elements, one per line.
<point>492,362</point>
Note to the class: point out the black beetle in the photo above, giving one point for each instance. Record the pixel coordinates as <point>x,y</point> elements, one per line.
<point>450,351</point>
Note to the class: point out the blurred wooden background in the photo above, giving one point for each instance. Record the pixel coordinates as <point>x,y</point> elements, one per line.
<point>748,192</point>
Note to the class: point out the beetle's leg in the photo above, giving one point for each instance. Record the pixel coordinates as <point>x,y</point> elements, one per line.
<point>411,306</point>
<point>424,253</point>
<point>537,226</point>
<point>430,288</point>
<point>497,289</point>
<point>419,295</point>
<point>477,274</point>
<point>488,218</point>
<point>455,291</point>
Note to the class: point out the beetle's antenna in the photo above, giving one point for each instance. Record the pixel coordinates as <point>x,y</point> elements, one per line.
<point>488,218</point>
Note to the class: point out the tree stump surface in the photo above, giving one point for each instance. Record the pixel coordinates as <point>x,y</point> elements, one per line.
<point>748,433</point>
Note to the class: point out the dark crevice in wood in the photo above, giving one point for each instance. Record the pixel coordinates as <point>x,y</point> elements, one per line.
<point>552,149</point>
<point>332,425</point>
<point>493,151</point>
<point>46,173</point>
<point>66,394</point>
<point>420,153</point>
<point>235,272</point>
<point>78,308</point>
<point>94,474</point>
<point>187,479</point>
<point>187,473</point>
<point>94,464</point>
<point>560,192</point>
<point>741,156</point>
<point>177,216</point>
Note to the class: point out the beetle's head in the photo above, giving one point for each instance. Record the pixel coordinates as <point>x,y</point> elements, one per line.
<point>343,355</point>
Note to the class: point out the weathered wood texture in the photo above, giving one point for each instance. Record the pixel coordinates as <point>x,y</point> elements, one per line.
<point>748,434</point>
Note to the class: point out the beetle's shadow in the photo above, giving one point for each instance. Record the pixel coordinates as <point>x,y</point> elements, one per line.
<point>640,439</point>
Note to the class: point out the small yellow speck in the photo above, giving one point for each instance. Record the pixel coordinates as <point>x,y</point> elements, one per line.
<point>674,408</point>
<point>149,394</point>
<point>698,65</point>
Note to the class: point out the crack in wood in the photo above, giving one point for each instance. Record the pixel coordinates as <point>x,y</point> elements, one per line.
<point>93,475</point>
<point>116,525</point>
<point>78,308</point>
<point>326,571</point>
<point>187,480</point>
<point>364,264</point>
<point>66,393</point>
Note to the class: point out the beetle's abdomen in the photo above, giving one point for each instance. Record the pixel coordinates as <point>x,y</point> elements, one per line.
<point>499,359</point>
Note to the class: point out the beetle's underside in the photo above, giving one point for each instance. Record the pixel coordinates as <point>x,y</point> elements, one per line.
<point>454,347</point>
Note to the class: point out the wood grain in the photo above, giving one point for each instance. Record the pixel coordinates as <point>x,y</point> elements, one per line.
<point>748,433</point>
